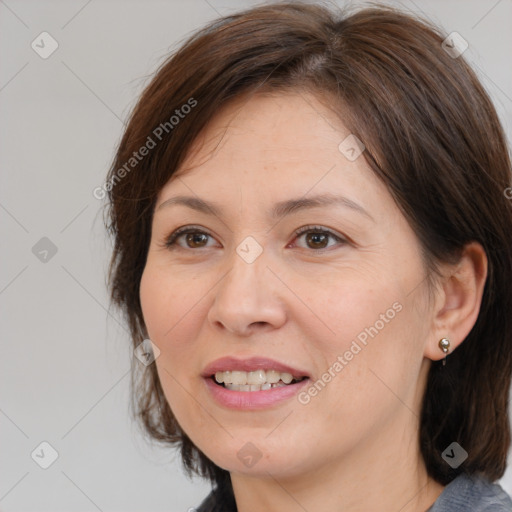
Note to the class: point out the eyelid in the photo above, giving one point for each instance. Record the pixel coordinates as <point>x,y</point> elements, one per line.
<point>170,240</point>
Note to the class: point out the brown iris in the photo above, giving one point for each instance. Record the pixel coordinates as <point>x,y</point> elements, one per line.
<point>318,240</point>
<point>196,239</point>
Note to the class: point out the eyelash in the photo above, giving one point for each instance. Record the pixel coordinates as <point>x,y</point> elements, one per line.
<point>170,242</point>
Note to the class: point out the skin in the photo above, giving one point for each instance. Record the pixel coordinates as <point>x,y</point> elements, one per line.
<point>354,446</point>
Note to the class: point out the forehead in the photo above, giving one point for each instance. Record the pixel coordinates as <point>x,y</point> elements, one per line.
<point>272,147</point>
<point>268,130</point>
<point>297,111</point>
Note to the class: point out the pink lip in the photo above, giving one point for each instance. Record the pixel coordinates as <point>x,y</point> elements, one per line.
<point>251,399</point>
<point>249,365</point>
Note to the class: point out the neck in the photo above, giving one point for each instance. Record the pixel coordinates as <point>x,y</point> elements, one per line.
<point>385,472</point>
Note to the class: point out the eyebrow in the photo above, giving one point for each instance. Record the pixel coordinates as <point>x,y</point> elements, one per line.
<point>280,209</point>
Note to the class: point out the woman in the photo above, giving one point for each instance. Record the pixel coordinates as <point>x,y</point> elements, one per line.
<point>311,226</point>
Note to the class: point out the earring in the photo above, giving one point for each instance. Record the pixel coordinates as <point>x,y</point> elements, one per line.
<point>444,345</point>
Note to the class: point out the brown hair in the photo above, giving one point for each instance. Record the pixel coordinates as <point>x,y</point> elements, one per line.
<point>431,134</point>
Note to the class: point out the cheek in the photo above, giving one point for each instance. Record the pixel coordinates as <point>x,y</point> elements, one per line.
<point>155,296</point>
<point>368,340</point>
<point>369,301</point>
<point>347,306</point>
<point>170,310</point>
<point>165,302</point>
<point>175,310</point>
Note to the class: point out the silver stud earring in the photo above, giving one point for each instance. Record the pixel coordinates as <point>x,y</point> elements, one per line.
<point>444,345</point>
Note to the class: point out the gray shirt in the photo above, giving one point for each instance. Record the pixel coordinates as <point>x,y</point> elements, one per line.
<point>474,494</point>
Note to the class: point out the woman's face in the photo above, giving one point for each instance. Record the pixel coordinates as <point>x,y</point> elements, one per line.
<point>300,261</point>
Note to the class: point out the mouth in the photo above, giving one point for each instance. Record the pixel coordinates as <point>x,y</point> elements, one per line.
<point>254,383</point>
<point>258,380</point>
<point>252,374</point>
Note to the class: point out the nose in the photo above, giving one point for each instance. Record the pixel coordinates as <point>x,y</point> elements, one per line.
<point>248,298</point>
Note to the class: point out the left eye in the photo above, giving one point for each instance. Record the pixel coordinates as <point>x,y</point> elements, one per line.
<point>317,237</point>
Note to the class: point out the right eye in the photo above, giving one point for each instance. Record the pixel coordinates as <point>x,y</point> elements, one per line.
<point>194,238</point>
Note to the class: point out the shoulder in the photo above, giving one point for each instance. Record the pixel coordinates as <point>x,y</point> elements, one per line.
<point>207,505</point>
<point>472,493</point>
<point>217,501</point>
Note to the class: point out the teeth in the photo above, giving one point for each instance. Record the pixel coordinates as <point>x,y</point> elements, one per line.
<point>286,377</point>
<point>257,377</point>
<point>253,387</point>
<point>253,381</point>
<point>273,377</point>
<point>238,378</point>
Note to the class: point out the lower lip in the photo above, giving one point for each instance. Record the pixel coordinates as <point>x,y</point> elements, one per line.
<point>244,400</point>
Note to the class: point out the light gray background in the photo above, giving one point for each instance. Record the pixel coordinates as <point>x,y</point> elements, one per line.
<point>64,363</point>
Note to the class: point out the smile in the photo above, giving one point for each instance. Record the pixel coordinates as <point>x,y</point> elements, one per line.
<point>252,383</point>
<point>259,380</point>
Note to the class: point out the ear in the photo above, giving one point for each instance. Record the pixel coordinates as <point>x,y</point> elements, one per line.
<point>458,300</point>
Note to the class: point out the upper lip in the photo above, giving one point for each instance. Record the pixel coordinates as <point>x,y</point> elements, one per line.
<point>249,365</point>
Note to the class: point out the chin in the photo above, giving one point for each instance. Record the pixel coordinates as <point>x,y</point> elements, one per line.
<point>257,460</point>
